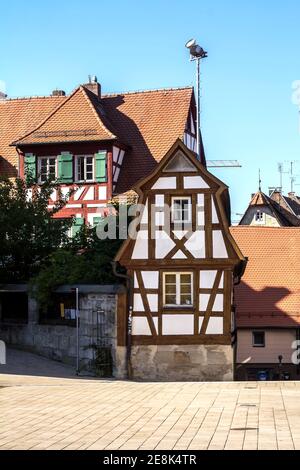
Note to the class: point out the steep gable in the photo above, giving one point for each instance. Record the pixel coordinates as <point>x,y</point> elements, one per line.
<point>205,237</point>
<point>74,120</point>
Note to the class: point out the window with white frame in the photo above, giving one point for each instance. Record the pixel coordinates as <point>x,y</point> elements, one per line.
<point>178,289</point>
<point>84,170</point>
<point>181,210</point>
<point>47,168</point>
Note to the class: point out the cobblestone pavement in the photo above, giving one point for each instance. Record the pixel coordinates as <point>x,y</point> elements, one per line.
<point>57,411</point>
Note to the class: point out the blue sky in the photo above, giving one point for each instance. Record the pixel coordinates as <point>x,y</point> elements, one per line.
<point>254,57</point>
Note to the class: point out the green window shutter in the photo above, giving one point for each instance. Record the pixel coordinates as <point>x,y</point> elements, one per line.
<point>65,167</point>
<point>77,224</point>
<point>100,167</point>
<point>30,166</point>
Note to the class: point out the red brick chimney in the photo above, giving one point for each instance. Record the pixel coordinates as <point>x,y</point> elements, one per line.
<point>93,86</point>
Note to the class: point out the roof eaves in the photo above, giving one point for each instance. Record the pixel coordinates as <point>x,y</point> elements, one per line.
<point>136,92</point>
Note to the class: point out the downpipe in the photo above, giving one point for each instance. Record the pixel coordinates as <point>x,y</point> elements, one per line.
<point>129,287</point>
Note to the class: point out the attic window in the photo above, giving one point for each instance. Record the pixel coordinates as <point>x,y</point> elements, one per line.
<point>181,210</point>
<point>259,217</point>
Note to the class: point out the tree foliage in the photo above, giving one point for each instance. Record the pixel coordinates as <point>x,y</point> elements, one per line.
<point>35,246</point>
<point>87,260</point>
<point>29,231</point>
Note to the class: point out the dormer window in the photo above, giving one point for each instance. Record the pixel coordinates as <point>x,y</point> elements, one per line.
<point>84,168</point>
<point>47,168</point>
<point>259,217</point>
<point>181,210</point>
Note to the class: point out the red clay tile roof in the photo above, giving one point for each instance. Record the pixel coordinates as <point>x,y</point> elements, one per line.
<point>17,117</point>
<point>76,119</point>
<point>269,293</point>
<point>150,122</point>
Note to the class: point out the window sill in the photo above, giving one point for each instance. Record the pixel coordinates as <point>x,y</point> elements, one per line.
<point>179,308</point>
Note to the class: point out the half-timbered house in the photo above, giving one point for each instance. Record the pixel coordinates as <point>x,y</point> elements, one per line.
<point>96,145</point>
<point>183,263</point>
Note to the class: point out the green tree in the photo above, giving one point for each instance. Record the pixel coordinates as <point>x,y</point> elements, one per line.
<point>29,231</point>
<point>86,260</point>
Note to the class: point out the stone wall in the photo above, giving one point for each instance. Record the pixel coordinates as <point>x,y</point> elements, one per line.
<point>97,331</point>
<point>182,363</point>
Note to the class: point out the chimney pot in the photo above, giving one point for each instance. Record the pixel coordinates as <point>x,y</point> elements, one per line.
<point>58,93</point>
<point>93,86</point>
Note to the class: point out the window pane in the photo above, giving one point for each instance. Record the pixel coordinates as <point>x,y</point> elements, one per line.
<point>259,338</point>
<point>186,299</point>
<point>170,299</point>
<point>185,279</point>
<point>170,278</point>
<point>186,289</point>
<point>170,288</point>
<point>80,168</point>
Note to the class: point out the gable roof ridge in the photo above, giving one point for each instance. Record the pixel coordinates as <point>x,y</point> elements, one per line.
<point>85,94</point>
<point>34,97</point>
<point>153,90</point>
<point>60,105</point>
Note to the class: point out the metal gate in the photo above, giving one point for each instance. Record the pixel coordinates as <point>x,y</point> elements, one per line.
<point>95,340</point>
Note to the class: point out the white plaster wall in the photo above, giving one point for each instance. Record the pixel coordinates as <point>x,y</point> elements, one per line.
<point>207,279</point>
<point>90,194</point>
<point>165,183</point>
<point>163,244</point>
<point>196,244</point>
<point>215,218</point>
<point>219,248</point>
<point>115,154</point>
<point>215,326</point>
<point>194,182</point>
<point>140,250</point>
<point>140,326</point>
<point>150,279</point>
<point>178,325</point>
<point>153,302</point>
<point>102,193</point>
<point>138,303</point>
<point>78,193</point>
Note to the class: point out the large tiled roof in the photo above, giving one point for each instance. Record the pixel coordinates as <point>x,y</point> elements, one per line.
<point>269,293</point>
<point>150,122</point>
<point>147,122</point>
<point>18,117</point>
<point>76,119</point>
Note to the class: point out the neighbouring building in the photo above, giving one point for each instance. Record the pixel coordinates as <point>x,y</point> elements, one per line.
<point>291,202</point>
<point>273,211</point>
<point>182,265</point>
<point>98,144</point>
<point>267,303</point>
